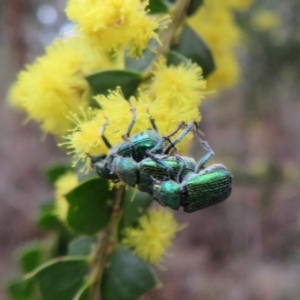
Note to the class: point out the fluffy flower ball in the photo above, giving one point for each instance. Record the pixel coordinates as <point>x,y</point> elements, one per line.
<point>153,235</point>
<point>114,24</point>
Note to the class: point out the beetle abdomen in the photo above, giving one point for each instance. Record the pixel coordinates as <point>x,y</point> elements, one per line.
<point>211,186</point>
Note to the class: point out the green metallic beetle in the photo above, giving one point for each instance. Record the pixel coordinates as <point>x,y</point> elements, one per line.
<point>161,166</point>
<point>135,147</point>
<point>194,190</point>
<point>140,173</point>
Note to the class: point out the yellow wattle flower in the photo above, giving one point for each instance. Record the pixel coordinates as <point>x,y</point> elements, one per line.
<point>85,138</point>
<point>178,86</point>
<point>227,74</point>
<point>63,185</point>
<point>215,23</point>
<point>114,24</point>
<point>153,236</point>
<point>174,96</point>
<point>54,85</point>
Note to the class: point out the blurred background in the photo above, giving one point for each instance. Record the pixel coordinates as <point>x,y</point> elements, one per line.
<point>247,248</point>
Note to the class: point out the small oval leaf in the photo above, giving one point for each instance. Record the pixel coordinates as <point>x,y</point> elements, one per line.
<point>141,64</point>
<point>31,256</point>
<point>193,7</point>
<point>89,209</point>
<point>175,58</point>
<point>135,205</point>
<point>47,218</point>
<point>127,277</point>
<point>54,172</point>
<point>61,278</point>
<point>84,293</point>
<point>20,289</point>
<point>81,245</point>
<point>157,7</point>
<point>193,47</point>
<point>102,82</point>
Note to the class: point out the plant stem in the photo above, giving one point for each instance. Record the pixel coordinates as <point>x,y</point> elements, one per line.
<point>178,16</point>
<point>107,240</point>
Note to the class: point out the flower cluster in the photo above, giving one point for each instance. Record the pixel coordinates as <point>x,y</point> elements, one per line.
<point>54,85</point>
<point>215,23</point>
<point>153,235</point>
<point>164,99</point>
<point>114,24</point>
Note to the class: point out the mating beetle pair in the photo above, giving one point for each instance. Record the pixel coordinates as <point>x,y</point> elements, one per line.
<point>195,189</point>
<point>174,181</point>
<point>135,147</point>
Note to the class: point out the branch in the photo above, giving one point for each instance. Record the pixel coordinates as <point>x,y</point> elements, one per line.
<point>107,240</point>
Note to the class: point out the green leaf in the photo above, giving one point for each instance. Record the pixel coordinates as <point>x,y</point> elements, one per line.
<point>102,82</point>
<point>193,47</point>
<point>54,172</point>
<point>61,278</point>
<point>175,58</point>
<point>157,6</point>
<point>84,292</point>
<point>81,245</point>
<point>89,209</point>
<point>193,7</point>
<point>127,277</point>
<point>31,256</point>
<point>21,289</point>
<point>141,64</point>
<point>135,205</point>
<point>47,218</point>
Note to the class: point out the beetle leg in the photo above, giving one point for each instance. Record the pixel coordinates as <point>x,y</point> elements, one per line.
<point>163,164</point>
<point>167,138</point>
<point>182,135</point>
<point>206,157</point>
<point>152,121</point>
<point>181,170</point>
<point>104,138</point>
<point>133,121</point>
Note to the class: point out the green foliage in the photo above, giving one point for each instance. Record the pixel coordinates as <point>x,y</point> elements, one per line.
<point>30,256</point>
<point>47,218</point>
<point>54,172</point>
<point>157,6</point>
<point>89,209</point>
<point>135,205</point>
<point>20,289</point>
<point>81,245</point>
<point>193,47</point>
<point>84,292</point>
<point>127,277</point>
<point>61,278</point>
<point>141,64</point>
<point>193,7</point>
<point>175,58</point>
<point>102,82</point>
